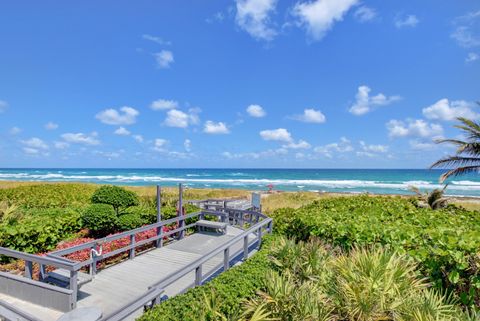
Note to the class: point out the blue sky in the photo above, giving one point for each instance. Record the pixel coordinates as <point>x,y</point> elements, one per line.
<point>246,83</point>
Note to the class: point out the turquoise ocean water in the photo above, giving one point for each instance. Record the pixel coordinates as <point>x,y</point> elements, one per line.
<point>378,181</point>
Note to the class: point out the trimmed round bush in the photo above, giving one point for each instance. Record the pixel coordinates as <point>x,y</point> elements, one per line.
<point>100,219</point>
<point>116,196</point>
<point>129,222</point>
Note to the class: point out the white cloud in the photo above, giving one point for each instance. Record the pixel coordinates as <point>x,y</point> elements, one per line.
<point>156,39</point>
<point>413,127</point>
<point>365,103</point>
<point>253,16</point>
<point>138,138</point>
<point>301,144</point>
<point>61,145</point>
<point>31,151</point>
<point>311,116</point>
<point>373,148</point>
<point>445,110</point>
<point>164,59</point>
<point>122,131</point>
<point>408,21</point>
<point>3,106</point>
<point>329,150</point>
<point>124,116</point>
<point>160,144</point>
<point>187,144</point>
<point>279,134</point>
<point>422,145</point>
<point>319,16</point>
<point>81,138</point>
<point>51,126</point>
<point>211,127</point>
<point>36,143</point>
<point>15,130</point>
<point>256,111</point>
<point>180,119</point>
<point>365,14</point>
<point>164,104</point>
<point>256,155</point>
<point>471,57</point>
<point>466,32</point>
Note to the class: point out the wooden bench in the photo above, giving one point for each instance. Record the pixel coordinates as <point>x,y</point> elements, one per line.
<point>218,226</point>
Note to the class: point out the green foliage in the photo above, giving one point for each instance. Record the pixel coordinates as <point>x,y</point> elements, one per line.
<point>40,230</point>
<point>358,285</point>
<point>229,290</point>
<point>116,196</point>
<point>9,214</point>
<point>48,195</point>
<point>127,222</point>
<point>100,219</point>
<point>444,242</point>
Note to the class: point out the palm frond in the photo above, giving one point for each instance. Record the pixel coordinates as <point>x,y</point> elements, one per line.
<point>460,171</point>
<point>471,128</point>
<point>456,161</point>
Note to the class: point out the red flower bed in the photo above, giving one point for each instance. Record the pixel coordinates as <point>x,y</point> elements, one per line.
<point>108,247</point>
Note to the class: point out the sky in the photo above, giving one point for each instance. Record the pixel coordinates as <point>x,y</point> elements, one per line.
<point>238,83</point>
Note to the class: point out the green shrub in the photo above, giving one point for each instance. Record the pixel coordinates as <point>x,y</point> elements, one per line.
<point>310,283</point>
<point>48,195</point>
<point>127,222</point>
<point>444,242</point>
<point>100,219</point>
<point>41,229</point>
<point>230,289</point>
<point>116,196</point>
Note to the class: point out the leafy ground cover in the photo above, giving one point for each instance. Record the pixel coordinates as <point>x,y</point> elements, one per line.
<point>291,281</point>
<point>445,243</point>
<point>222,296</point>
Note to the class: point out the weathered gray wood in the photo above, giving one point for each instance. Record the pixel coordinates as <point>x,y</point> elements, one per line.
<point>245,247</point>
<point>28,269</point>
<point>36,292</point>
<point>131,253</point>
<point>159,242</point>
<point>212,225</point>
<point>181,217</point>
<point>226,259</point>
<point>259,244</point>
<point>198,275</point>
<point>12,313</point>
<point>74,287</point>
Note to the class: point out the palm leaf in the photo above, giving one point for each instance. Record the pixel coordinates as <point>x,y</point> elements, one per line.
<point>460,171</point>
<point>456,161</point>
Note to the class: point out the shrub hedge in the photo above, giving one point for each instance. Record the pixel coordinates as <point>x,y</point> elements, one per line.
<point>116,196</point>
<point>444,242</point>
<point>230,288</point>
<point>40,230</point>
<point>100,219</point>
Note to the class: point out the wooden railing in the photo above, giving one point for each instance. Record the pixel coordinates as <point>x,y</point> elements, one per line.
<point>252,222</point>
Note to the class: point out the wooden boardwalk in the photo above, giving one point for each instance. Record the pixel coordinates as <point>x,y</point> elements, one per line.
<point>114,287</point>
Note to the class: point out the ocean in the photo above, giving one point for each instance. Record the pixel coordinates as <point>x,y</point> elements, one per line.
<point>376,181</point>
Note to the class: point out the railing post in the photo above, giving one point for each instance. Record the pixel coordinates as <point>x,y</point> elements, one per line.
<point>198,275</point>
<point>43,273</point>
<point>131,254</point>
<point>159,242</point>
<point>270,227</point>
<point>245,247</point>
<point>74,287</point>
<point>93,265</point>
<point>259,237</point>
<point>226,259</point>
<point>181,233</point>
<point>28,269</point>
